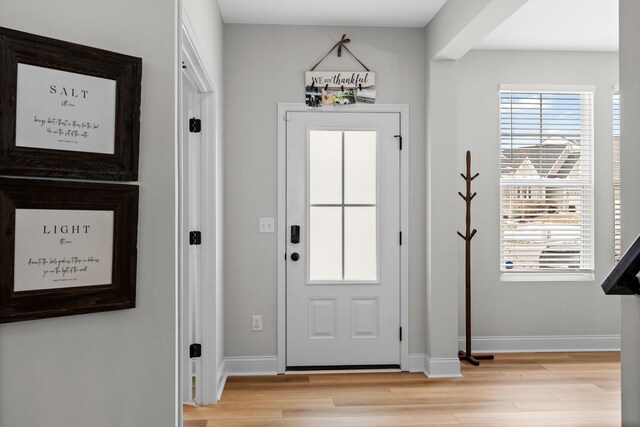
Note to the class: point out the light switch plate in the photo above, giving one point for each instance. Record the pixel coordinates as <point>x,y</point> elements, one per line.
<point>256,322</point>
<point>265,225</point>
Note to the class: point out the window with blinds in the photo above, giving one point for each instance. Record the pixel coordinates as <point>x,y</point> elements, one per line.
<point>617,245</point>
<point>546,181</point>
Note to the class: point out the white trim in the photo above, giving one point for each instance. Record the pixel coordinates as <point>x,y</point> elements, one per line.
<point>281,240</point>
<point>253,365</point>
<point>444,367</point>
<point>403,110</point>
<point>222,378</point>
<point>546,88</point>
<point>551,343</point>
<point>199,73</point>
<point>194,58</point>
<point>547,277</point>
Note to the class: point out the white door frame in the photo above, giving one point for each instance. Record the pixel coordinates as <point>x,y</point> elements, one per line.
<point>403,110</point>
<point>202,78</point>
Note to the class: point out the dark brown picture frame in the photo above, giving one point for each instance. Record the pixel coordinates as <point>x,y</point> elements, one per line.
<point>18,47</point>
<point>122,199</point>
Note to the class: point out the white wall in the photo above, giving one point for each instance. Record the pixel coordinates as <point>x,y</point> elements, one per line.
<point>630,198</point>
<point>116,368</point>
<point>265,65</point>
<point>206,21</point>
<point>532,308</point>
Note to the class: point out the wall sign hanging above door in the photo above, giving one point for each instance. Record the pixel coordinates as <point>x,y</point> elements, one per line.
<point>339,87</point>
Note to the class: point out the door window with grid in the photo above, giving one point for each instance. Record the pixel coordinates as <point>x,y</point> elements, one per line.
<point>343,213</point>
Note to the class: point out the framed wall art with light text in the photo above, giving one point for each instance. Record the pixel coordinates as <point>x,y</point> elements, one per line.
<point>67,110</point>
<point>66,248</point>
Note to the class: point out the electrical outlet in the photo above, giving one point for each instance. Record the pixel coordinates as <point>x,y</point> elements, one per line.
<point>265,225</point>
<point>256,322</point>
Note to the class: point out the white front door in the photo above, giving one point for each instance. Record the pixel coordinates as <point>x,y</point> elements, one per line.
<point>343,239</point>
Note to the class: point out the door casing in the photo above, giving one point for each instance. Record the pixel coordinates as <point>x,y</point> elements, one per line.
<point>403,110</point>
<point>198,72</point>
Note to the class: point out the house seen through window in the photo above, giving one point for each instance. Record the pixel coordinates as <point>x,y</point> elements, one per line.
<point>546,181</point>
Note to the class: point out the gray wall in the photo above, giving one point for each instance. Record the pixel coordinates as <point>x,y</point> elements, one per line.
<point>117,368</point>
<point>532,308</point>
<point>265,65</point>
<point>630,176</point>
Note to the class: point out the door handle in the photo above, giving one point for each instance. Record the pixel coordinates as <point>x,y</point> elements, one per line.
<point>295,256</point>
<point>295,234</point>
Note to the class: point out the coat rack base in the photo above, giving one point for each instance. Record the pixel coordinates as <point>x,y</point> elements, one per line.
<point>474,359</point>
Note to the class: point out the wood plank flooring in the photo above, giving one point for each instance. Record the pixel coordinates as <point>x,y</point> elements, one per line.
<point>523,389</point>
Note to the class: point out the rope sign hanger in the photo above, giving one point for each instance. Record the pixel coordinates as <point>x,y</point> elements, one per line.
<point>341,44</point>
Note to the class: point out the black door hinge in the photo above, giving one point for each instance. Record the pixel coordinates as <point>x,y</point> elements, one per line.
<point>401,238</point>
<point>195,237</point>
<point>195,350</point>
<point>400,333</point>
<point>399,139</point>
<point>195,125</point>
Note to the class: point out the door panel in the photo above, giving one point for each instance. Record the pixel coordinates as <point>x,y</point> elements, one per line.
<point>343,275</point>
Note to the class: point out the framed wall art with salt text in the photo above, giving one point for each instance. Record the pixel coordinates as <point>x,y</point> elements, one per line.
<point>66,248</point>
<point>67,110</point>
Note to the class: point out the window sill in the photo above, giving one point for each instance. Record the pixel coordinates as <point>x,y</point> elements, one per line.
<point>547,277</point>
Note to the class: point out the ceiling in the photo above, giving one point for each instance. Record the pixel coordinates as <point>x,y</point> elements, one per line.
<point>365,13</point>
<point>538,25</point>
<point>559,25</point>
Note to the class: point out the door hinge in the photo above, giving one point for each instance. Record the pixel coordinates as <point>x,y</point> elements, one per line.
<point>399,139</point>
<point>401,238</point>
<point>195,125</point>
<point>195,238</point>
<point>400,333</point>
<point>195,350</point>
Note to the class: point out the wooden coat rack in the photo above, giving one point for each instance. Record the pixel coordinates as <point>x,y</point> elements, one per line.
<point>468,197</point>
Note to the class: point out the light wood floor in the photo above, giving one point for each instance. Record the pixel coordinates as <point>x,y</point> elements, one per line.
<point>525,389</point>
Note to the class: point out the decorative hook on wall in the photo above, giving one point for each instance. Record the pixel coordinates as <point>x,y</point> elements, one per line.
<point>343,41</point>
<point>339,45</point>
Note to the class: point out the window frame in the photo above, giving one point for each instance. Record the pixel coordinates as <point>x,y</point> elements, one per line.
<point>550,274</point>
<point>615,145</point>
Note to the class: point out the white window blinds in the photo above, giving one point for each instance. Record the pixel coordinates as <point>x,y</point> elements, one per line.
<point>546,181</point>
<point>617,245</point>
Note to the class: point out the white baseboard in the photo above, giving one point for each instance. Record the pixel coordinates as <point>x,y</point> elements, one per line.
<point>222,378</point>
<point>416,362</point>
<point>256,365</point>
<point>549,343</point>
<point>441,367</point>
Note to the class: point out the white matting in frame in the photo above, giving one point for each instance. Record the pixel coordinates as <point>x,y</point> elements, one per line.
<point>60,110</point>
<point>62,249</point>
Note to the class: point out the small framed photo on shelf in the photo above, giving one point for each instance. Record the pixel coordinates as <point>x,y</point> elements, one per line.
<point>68,110</point>
<point>67,248</point>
